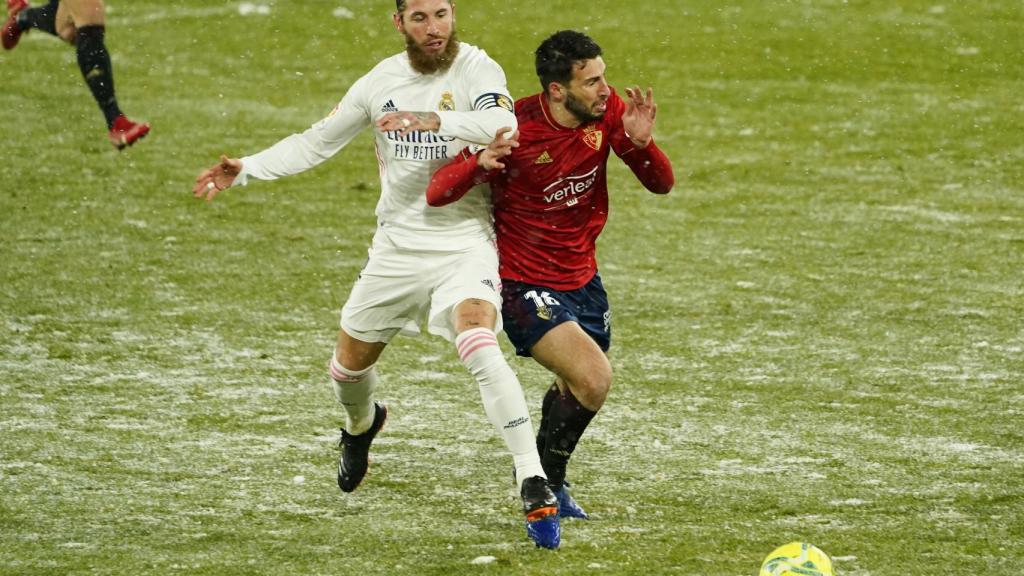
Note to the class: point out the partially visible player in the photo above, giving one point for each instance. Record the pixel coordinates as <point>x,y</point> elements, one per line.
<point>426,266</point>
<point>81,23</point>
<point>550,194</point>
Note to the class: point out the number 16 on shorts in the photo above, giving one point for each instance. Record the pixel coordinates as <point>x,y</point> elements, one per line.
<point>542,301</point>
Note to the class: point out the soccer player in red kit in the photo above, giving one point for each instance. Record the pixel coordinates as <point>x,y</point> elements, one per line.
<point>549,189</point>
<point>81,23</point>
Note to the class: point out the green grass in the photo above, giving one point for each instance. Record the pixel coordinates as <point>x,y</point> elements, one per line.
<point>818,334</point>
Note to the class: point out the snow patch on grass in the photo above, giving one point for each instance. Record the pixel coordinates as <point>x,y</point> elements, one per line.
<point>174,13</point>
<point>250,8</point>
<point>427,375</point>
<point>928,214</point>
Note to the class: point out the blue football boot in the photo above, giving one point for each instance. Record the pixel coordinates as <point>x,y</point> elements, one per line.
<point>541,508</point>
<point>567,506</point>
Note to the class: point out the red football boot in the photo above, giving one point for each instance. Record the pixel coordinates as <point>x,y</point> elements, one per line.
<point>125,132</point>
<point>11,33</point>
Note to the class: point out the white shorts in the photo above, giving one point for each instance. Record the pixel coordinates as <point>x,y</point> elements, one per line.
<point>398,290</point>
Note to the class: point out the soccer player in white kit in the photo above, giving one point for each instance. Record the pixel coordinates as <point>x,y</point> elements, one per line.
<point>433,266</point>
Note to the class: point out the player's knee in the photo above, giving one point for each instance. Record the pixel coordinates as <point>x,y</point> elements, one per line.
<point>68,33</point>
<point>592,389</point>
<point>356,358</point>
<point>474,313</point>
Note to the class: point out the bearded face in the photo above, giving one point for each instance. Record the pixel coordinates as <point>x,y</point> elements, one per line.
<point>586,96</point>
<point>581,110</point>
<point>429,30</point>
<point>426,61</point>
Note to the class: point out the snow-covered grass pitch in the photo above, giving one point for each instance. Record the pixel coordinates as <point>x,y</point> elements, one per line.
<point>817,336</point>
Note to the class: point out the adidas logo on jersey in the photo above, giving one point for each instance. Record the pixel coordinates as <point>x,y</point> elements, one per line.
<point>389,107</point>
<point>544,158</point>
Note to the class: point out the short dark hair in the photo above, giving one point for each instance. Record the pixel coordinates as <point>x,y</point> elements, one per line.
<point>401,5</point>
<point>557,55</point>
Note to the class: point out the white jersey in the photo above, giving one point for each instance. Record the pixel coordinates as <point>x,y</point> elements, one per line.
<point>472,101</point>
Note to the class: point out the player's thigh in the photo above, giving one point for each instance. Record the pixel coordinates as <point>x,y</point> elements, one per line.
<point>531,310</point>
<point>593,312</point>
<point>388,297</point>
<point>379,308</point>
<point>65,24</point>
<point>85,12</point>
<point>466,280</point>
<point>573,356</point>
<point>74,14</point>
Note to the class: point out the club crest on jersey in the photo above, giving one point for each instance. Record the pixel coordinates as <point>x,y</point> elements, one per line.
<point>593,136</point>
<point>543,312</point>
<point>447,103</point>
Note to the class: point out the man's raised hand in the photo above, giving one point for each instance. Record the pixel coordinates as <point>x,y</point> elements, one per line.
<point>505,139</point>
<point>638,120</point>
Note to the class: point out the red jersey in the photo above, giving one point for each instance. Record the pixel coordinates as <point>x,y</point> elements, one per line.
<point>551,200</point>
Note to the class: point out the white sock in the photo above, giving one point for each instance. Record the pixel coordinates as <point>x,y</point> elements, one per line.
<point>503,398</point>
<point>354,390</point>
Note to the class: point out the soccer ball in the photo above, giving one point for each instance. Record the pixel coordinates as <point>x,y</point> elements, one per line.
<point>797,559</point>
